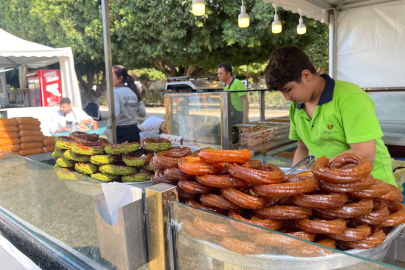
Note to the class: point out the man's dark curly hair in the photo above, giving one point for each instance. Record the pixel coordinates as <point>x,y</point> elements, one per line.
<point>286,65</point>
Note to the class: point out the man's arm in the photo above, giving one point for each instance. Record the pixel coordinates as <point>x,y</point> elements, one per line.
<point>64,129</point>
<point>300,153</point>
<point>83,116</point>
<point>245,101</point>
<point>366,149</point>
<point>88,121</point>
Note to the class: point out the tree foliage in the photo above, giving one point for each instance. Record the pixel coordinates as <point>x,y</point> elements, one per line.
<point>162,34</point>
<point>147,76</point>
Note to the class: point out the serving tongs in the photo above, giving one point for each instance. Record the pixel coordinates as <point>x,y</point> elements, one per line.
<point>308,161</point>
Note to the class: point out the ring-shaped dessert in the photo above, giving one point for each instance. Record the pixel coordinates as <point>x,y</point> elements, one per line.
<point>222,156</point>
<point>244,200</point>
<point>294,185</point>
<point>348,210</point>
<point>265,174</point>
<point>104,159</point>
<point>358,185</point>
<point>105,177</point>
<point>123,148</point>
<point>156,145</point>
<point>117,169</point>
<point>137,177</point>
<point>195,166</point>
<point>75,157</point>
<point>218,201</point>
<point>333,173</point>
<point>335,226</point>
<point>86,168</point>
<point>283,212</point>
<point>194,187</point>
<point>320,200</point>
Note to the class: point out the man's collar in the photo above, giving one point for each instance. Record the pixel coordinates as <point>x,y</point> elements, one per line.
<point>233,78</point>
<point>327,93</point>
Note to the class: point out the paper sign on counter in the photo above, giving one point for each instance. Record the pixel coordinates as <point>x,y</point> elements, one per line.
<point>118,195</point>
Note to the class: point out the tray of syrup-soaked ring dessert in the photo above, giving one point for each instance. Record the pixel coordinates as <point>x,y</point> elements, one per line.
<point>250,214</point>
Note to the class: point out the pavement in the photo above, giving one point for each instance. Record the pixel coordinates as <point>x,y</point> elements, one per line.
<point>150,111</point>
<point>254,115</point>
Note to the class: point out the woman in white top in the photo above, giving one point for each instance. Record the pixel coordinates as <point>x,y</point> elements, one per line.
<point>152,127</point>
<point>128,105</point>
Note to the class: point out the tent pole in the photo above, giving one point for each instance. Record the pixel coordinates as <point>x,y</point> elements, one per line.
<point>333,44</point>
<point>108,71</point>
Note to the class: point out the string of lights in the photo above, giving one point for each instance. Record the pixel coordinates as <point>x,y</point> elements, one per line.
<point>198,9</point>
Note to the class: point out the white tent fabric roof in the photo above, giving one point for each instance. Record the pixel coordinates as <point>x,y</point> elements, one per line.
<point>15,52</point>
<point>366,38</point>
<point>315,9</point>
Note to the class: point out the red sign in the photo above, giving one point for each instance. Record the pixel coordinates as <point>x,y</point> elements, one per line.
<point>50,86</point>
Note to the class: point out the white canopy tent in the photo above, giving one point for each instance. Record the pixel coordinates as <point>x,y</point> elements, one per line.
<point>367,38</point>
<point>17,52</point>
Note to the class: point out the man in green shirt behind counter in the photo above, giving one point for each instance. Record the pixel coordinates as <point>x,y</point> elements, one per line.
<point>328,117</point>
<point>239,100</point>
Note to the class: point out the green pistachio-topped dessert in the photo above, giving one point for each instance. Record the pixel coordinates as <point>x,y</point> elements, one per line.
<point>64,163</point>
<point>75,157</point>
<point>123,148</point>
<point>117,169</point>
<point>105,177</point>
<point>86,168</point>
<point>105,159</point>
<point>58,153</point>
<point>137,177</point>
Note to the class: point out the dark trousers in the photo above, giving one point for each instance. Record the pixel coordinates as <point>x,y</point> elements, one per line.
<point>236,116</point>
<point>128,134</point>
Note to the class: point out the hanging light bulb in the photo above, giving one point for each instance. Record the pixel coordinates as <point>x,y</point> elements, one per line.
<point>301,28</point>
<point>198,7</point>
<point>243,18</point>
<point>276,26</point>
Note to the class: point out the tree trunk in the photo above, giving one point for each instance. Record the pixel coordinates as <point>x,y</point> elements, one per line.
<point>146,84</point>
<point>87,86</point>
<point>166,67</point>
<point>256,80</point>
<point>201,71</point>
<point>188,70</point>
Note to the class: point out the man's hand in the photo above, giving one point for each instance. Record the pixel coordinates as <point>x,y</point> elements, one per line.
<point>64,129</point>
<point>82,122</point>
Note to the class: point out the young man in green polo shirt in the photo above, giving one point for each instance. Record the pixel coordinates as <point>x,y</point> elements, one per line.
<point>239,100</point>
<point>328,117</point>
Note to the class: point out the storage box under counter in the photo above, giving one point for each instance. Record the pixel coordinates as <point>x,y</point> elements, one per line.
<point>257,137</point>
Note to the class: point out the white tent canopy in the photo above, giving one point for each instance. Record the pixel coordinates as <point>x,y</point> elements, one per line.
<point>367,38</point>
<point>16,52</point>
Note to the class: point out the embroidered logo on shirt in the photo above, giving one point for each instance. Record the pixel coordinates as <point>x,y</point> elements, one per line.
<point>330,127</point>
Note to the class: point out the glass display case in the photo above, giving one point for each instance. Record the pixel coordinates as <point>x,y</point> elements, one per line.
<point>205,119</point>
<point>53,220</point>
<point>58,214</point>
<point>200,118</point>
<point>205,240</point>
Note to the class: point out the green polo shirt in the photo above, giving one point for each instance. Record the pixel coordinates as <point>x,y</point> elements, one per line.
<point>345,114</point>
<point>236,85</point>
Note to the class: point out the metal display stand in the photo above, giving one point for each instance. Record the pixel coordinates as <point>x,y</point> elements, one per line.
<point>119,241</point>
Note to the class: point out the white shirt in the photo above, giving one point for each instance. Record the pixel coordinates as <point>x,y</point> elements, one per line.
<point>59,120</point>
<point>151,127</point>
